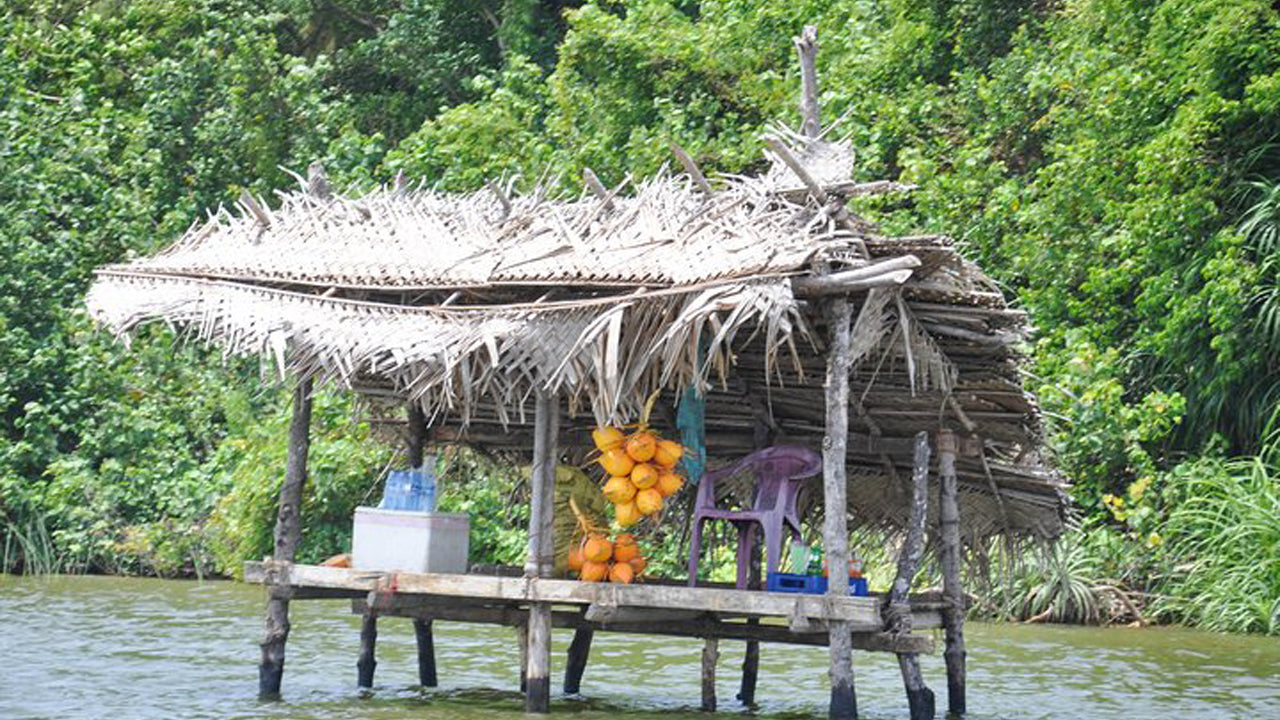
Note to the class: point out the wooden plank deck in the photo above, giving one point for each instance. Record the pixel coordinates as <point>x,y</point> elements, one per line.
<point>641,608</point>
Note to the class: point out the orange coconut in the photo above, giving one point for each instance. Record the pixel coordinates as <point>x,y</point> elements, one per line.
<point>616,462</point>
<point>669,484</point>
<point>619,490</point>
<point>608,438</point>
<point>627,514</point>
<point>594,571</point>
<point>576,558</point>
<point>668,453</point>
<point>621,573</point>
<point>638,564</point>
<point>625,553</point>
<point>624,539</point>
<point>648,501</point>
<point>644,475</point>
<point>597,549</point>
<point>641,446</point>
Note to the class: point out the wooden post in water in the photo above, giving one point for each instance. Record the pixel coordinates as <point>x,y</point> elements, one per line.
<point>288,531</point>
<point>366,664</point>
<point>422,632</point>
<point>579,650</point>
<point>541,558</point>
<point>422,629</point>
<point>835,529</point>
<point>949,556</point>
<point>898,612</point>
<point>710,656</point>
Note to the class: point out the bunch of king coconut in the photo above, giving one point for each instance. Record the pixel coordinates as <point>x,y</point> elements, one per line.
<point>595,558</point>
<point>641,471</point>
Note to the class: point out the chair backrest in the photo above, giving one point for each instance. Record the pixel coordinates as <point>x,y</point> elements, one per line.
<point>777,469</point>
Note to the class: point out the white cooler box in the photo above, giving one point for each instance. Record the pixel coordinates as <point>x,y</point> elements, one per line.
<point>396,540</point>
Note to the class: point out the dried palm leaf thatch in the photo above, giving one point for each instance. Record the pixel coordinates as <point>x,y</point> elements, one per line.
<point>468,304</point>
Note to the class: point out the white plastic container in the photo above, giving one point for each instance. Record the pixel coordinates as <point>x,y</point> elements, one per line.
<point>395,540</point>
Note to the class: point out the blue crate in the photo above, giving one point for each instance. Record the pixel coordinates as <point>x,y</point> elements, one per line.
<point>789,583</point>
<point>810,584</point>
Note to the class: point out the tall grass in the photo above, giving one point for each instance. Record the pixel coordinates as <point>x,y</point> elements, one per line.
<point>29,549</point>
<point>1223,543</point>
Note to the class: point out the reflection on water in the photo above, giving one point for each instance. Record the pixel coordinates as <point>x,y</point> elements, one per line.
<point>121,648</point>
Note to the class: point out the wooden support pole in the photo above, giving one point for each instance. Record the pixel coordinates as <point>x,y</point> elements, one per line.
<point>835,529</point>
<point>751,656</point>
<point>579,650</point>
<point>522,642</point>
<point>920,698</point>
<point>368,641</point>
<point>422,632</point>
<point>952,589</point>
<point>288,531</point>
<point>807,49</point>
<point>710,656</point>
<point>417,441</point>
<point>750,669</point>
<point>541,551</point>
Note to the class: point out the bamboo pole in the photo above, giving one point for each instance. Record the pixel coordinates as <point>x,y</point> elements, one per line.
<point>952,588</point>
<point>287,533</point>
<point>541,552</point>
<point>835,531</point>
<point>920,698</point>
<point>368,641</point>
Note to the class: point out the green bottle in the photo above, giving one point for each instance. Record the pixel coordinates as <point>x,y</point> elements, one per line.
<point>815,561</point>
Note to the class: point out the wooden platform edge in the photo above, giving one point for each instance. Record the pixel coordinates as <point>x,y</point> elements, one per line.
<point>862,612</point>
<point>704,626</point>
<point>315,581</point>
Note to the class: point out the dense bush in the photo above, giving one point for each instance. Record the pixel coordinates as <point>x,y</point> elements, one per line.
<point>1112,163</point>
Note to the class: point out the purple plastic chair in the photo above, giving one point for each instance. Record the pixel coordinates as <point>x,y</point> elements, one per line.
<point>779,474</point>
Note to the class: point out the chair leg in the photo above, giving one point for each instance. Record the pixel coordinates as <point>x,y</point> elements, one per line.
<point>695,549</point>
<point>746,552</point>
<point>772,547</point>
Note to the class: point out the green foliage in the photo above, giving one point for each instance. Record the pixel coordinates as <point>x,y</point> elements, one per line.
<point>1111,162</point>
<point>496,496</point>
<point>1222,542</point>
<point>344,469</point>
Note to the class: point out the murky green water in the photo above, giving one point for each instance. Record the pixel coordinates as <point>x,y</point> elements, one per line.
<point>124,649</point>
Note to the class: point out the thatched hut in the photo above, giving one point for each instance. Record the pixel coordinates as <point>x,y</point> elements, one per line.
<point>492,315</point>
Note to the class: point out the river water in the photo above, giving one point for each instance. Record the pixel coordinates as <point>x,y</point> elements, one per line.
<point>140,649</point>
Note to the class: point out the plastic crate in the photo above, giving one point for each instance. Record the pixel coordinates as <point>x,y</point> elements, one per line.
<point>810,584</point>
<point>789,583</point>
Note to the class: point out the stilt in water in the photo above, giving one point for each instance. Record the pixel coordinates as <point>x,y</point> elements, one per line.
<point>835,529</point>
<point>579,650</point>
<point>422,631</point>
<point>920,698</point>
<point>750,670</point>
<point>952,589</point>
<point>522,643</point>
<point>288,531</point>
<point>368,641</point>
<point>710,656</point>
<point>537,698</point>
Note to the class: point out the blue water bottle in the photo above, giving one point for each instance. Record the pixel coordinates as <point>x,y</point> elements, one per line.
<point>428,479</point>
